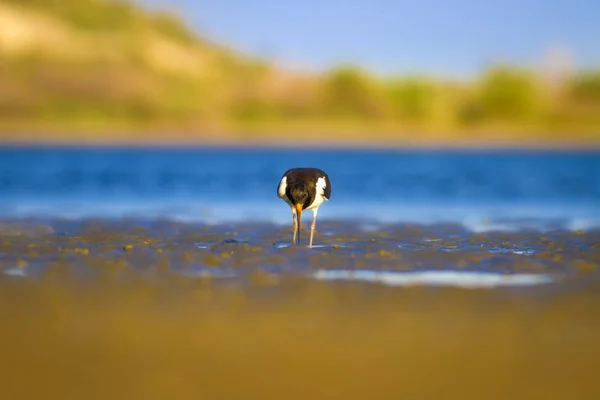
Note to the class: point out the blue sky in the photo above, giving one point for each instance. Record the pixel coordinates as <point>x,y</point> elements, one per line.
<point>451,38</point>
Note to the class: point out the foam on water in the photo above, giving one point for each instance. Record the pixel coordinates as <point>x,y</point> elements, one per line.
<point>462,279</point>
<point>15,271</point>
<point>370,216</point>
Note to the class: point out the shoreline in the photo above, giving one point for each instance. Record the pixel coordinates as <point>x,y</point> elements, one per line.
<point>512,145</point>
<point>297,136</point>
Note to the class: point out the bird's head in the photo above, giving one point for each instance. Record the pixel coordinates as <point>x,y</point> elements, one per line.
<point>299,194</point>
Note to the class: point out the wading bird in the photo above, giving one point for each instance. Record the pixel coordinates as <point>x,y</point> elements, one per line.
<point>304,189</point>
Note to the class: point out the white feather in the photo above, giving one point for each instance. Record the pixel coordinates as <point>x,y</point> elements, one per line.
<point>320,195</point>
<point>281,192</point>
<point>321,185</point>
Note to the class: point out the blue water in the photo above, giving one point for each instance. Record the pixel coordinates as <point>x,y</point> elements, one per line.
<point>483,190</point>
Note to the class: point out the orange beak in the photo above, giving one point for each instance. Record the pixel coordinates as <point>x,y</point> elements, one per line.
<point>298,220</point>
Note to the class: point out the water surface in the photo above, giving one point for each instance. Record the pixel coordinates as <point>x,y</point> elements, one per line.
<point>480,189</point>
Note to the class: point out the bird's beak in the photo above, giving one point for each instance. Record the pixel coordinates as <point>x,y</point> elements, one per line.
<point>298,220</point>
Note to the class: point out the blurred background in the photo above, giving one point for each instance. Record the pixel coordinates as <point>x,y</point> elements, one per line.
<point>234,71</point>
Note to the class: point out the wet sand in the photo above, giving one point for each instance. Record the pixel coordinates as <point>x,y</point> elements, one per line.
<point>101,309</point>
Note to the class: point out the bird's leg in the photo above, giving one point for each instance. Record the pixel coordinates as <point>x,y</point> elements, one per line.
<point>295,226</point>
<point>313,226</point>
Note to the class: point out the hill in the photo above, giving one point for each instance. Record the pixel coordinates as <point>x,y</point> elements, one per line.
<point>109,70</point>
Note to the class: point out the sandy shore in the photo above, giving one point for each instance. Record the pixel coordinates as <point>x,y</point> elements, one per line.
<point>101,309</point>
<point>301,135</point>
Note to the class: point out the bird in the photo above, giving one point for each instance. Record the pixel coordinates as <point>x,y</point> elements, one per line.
<point>304,189</point>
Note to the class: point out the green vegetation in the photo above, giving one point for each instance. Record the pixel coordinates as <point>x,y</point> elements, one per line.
<point>586,87</point>
<point>508,94</point>
<point>412,99</point>
<point>349,92</point>
<point>103,63</point>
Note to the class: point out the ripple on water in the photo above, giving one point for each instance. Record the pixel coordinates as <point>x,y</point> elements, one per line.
<point>520,251</point>
<point>469,247</point>
<point>203,245</point>
<point>283,245</point>
<point>209,244</point>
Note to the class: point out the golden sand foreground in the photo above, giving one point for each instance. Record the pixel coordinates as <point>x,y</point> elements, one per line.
<point>122,311</point>
<point>303,341</point>
<point>296,135</point>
